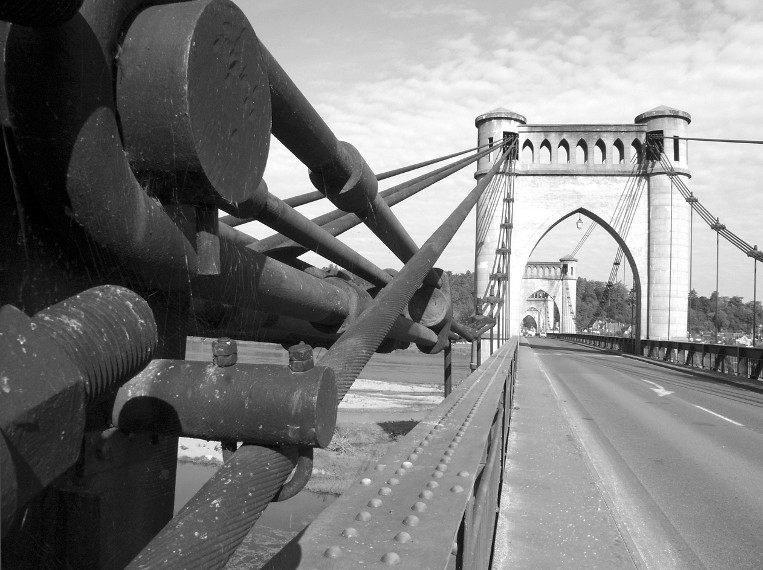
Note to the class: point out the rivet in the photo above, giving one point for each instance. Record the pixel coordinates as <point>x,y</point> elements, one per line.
<point>407,464</point>
<point>391,559</point>
<point>457,439</point>
<point>419,506</point>
<point>381,467</point>
<point>457,489</point>
<point>393,481</point>
<point>453,444</point>
<point>433,484</point>
<point>442,467</point>
<point>424,443</point>
<point>363,516</point>
<point>449,452</point>
<point>426,494</point>
<point>384,491</point>
<point>428,437</point>
<point>375,503</point>
<point>463,473</point>
<point>411,520</point>
<point>419,449</point>
<point>365,481</point>
<point>333,552</point>
<point>402,537</point>
<point>445,459</point>
<point>413,457</point>
<point>400,471</point>
<point>349,532</point>
<point>438,474</point>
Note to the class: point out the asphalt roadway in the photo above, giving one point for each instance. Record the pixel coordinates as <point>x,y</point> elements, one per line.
<point>616,462</point>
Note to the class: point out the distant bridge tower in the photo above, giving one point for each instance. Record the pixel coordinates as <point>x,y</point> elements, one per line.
<point>568,169</point>
<point>548,288</point>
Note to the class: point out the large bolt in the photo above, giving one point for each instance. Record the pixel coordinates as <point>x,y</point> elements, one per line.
<point>108,332</point>
<point>49,366</point>
<point>301,357</point>
<point>224,352</point>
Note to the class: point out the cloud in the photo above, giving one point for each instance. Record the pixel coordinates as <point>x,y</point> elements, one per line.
<point>407,87</point>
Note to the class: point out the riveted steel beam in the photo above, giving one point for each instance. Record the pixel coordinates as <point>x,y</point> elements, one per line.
<point>406,509</point>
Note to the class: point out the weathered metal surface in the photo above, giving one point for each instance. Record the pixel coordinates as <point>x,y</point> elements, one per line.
<point>38,12</point>
<point>213,523</point>
<point>264,404</point>
<point>303,470</point>
<point>42,412</point>
<point>406,509</point>
<point>108,332</point>
<point>51,365</point>
<point>194,104</point>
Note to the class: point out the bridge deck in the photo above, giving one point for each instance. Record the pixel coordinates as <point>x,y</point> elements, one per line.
<point>555,512</point>
<point>615,462</point>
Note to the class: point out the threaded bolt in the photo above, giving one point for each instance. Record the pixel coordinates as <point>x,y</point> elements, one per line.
<point>224,352</point>
<point>108,332</point>
<point>301,357</point>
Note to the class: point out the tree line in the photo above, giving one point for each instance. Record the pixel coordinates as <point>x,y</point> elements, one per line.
<point>615,304</point>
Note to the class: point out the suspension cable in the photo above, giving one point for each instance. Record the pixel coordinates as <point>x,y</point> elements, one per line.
<point>734,141</point>
<point>704,213</point>
<point>404,169</point>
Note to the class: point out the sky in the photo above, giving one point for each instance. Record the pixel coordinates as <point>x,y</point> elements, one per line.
<point>403,81</point>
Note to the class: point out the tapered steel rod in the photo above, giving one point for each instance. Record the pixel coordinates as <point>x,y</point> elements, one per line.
<point>337,169</point>
<point>350,353</point>
<point>338,221</point>
<point>294,202</point>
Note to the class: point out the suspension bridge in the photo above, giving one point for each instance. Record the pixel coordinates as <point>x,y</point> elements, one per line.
<point>128,124</point>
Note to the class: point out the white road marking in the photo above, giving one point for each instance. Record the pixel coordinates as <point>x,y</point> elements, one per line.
<point>659,390</point>
<point>719,415</point>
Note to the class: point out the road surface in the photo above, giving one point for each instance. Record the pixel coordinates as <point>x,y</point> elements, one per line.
<point>679,457</point>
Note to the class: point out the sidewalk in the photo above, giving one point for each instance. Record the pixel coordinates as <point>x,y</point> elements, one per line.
<point>553,514</point>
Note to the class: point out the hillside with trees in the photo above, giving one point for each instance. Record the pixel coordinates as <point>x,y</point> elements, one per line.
<point>597,306</point>
<point>733,317</point>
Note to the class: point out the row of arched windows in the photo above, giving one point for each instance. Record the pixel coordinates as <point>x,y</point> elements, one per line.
<point>583,155</point>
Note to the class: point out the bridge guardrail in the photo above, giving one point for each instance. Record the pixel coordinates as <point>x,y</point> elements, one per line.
<point>432,501</point>
<point>737,361</point>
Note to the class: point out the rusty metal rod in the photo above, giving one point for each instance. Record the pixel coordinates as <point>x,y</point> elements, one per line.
<point>263,404</point>
<point>207,531</point>
<point>229,321</point>
<point>337,169</point>
<point>350,353</point>
<point>338,221</point>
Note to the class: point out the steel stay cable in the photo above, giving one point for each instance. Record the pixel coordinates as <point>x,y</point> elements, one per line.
<point>337,222</point>
<point>351,352</point>
<point>735,141</point>
<point>309,197</point>
<point>705,214</point>
<point>404,169</point>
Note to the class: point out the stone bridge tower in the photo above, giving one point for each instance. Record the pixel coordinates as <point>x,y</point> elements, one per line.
<point>566,169</point>
<point>549,289</point>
